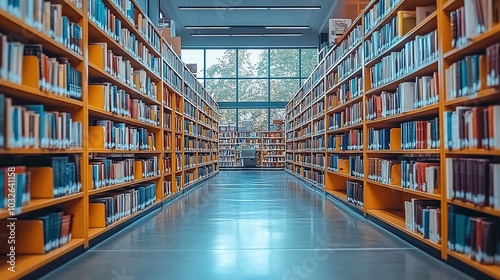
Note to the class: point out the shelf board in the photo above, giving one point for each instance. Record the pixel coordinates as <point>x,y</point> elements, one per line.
<point>96,72</point>
<point>342,106</point>
<point>468,205</point>
<point>345,152</point>
<point>26,264</point>
<point>426,26</point>
<point>413,152</point>
<point>39,203</point>
<point>345,175</point>
<point>97,112</point>
<point>484,96</point>
<point>491,153</point>
<point>94,232</point>
<point>452,5</point>
<point>342,195</point>
<point>14,25</point>
<point>33,94</point>
<point>476,45</point>
<point>407,116</point>
<point>396,219</point>
<point>123,185</point>
<point>491,270</point>
<point>410,191</point>
<point>345,128</point>
<point>425,69</point>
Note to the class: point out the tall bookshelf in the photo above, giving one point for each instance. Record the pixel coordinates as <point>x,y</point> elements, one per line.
<point>269,145</point>
<point>109,76</point>
<point>406,142</point>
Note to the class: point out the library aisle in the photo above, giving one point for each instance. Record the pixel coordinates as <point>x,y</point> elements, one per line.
<point>254,225</point>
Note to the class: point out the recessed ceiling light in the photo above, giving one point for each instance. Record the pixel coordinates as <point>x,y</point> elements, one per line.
<point>249,35</point>
<point>222,8</point>
<point>287,27</point>
<point>207,27</point>
<point>283,35</point>
<point>210,35</point>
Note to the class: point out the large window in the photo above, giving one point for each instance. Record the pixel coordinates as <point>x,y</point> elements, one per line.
<point>263,80</point>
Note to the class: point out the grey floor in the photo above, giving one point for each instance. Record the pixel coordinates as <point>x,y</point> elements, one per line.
<point>254,225</point>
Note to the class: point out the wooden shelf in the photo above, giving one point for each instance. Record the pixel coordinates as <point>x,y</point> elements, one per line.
<point>106,151</point>
<point>452,5</point>
<point>348,152</point>
<point>26,264</point>
<point>412,152</point>
<point>425,69</point>
<point>338,194</point>
<point>430,110</point>
<point>485,153</point>
<point>350,177</point>
<point>39,151</point>
<point>96,112</point>
<point>95,72</point>
<point>410,191</point>
<point>428,25</point>
<point>401,6</point>
<point>36,95</point>
<point>94,232</point>
<point>40,203</point>
<point>491,270</point>
<point>476,45</point>
<point>395,218</point>
<point>345,128</point>
<point>342,106</point>
<point>482,97</point>
<point>123,185</point>
<point>18,26</point>
<point>468,205</point>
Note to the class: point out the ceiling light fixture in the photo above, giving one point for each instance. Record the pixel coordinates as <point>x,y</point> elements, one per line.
<point>287,27</point>
<point>207,27</point>
<point>222,8</point>
<point>249,35</point>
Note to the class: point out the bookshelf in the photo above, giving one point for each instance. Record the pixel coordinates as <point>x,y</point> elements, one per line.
<point>269,145</point>
<point>410,139</point>
<point>120,120</point>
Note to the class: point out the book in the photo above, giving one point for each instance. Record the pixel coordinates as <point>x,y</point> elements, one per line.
<point>422,12</point>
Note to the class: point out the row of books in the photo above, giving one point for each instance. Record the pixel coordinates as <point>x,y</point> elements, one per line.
<point>420,135</point>
<point>422,50</point>
<point>351,40</point>
<point>319,126</point>
<point>118,102</point>
<point>463,78</point>
<point>56,231</point>
<point>355,193</point>
<point>170,76</point>
<point>102,16</point>
<point>119,136</point>
<point>472,19</point>
<point>474,180</point>
<point>377,12</point>
<point>167,188</point>
<point>30,126</point>
<point>318,160</point>
<point>350,116</point>
<point>205,171</point>
<point>408,96</point>
<point>421,175</point>
<point>189,160</point>
<point>351,89</point>
<point>423,216</point>
<point>147,30</point>
<point>351,64</point>
<point>351,140</point>
<point>473,235</point>
<point>122,69</point>
<point>318,143</point>
<point>64,173</point>
<point>119,204</point>
<point>189,110</point>
<point>472,128</point>
<point>318,108</point>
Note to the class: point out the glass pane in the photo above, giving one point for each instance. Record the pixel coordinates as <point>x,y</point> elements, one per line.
<point>222,90</point>
<point>283,89</point>
<point>252,90</point>
<point>194,57</point>
<point>308,61</point>
<point>252,119</point>
<point>284,63</point>
<point>277,119</point>
<point>221,63</point>
<point>227,116</point>
<point>252,63</point>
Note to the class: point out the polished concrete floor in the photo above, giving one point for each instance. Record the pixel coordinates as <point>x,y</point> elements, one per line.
<point>254,225</point>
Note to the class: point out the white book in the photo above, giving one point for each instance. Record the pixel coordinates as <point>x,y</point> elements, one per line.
<point>472,24</point>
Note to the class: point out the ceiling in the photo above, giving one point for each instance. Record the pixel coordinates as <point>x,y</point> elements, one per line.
<point>290,23</point>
